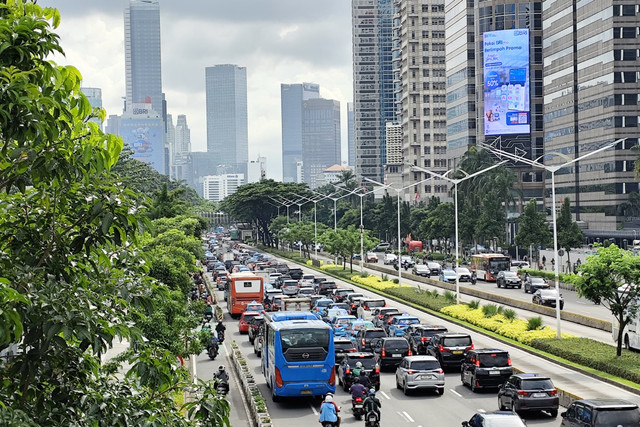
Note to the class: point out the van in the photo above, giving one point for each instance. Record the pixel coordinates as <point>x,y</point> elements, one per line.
<point>601,413</point>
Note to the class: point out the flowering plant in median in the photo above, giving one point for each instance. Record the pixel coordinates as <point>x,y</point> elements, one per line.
<point>515,329</point>
<point>375,282</point>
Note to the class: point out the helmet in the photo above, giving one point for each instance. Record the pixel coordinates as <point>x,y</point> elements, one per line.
<point>356,380</point>
<point>221,368</point>
<point>328,398</point>
<point>358,364</point>
<point>372,391</point>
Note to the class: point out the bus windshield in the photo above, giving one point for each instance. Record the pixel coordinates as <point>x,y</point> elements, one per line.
<point>498,264</point>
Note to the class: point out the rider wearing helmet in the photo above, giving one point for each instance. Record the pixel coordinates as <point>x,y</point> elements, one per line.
<point>357,389</point>
<point>358,369</point>
<point>221,374</point>
<point>329,411</point>
<point>372,403</point>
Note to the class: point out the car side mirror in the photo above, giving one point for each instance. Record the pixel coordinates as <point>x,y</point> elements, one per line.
<point>465,424</point>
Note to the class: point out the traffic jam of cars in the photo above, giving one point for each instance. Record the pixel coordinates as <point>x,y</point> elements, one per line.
<point>372,337</point>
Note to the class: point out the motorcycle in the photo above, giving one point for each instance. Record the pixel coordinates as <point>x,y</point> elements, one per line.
<point>473,280</point>
<point>208,316</point>
<point>357,405</point>
<point>222,387</point>
<point>221,336</point>
<point>372,419</point>
<point>213,348</point>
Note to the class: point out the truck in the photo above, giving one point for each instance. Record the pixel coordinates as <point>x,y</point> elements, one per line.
<point>296,304</point>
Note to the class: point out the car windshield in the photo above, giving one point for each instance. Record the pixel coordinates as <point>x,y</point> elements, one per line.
<point>504,421</point>
<point>343,345</point>
<point>537,384</point>
<point>490,360</point>
<point>551,293</point>
<point>617,417</point>
<point>396,345</point>
<point>457,341</point>
<point>429,333</point>
<point>425,365</point>
<point>510,274</point>
<point>408,321</point>
<point>367,362</point>
<point>537,280</point>
<point>375,334</point>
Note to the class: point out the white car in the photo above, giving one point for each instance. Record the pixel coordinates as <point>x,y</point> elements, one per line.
<point>307,280</point>
<point>390,258</point>
<point>421,270</point>
<point>371,257</point>
<point>464,275</point>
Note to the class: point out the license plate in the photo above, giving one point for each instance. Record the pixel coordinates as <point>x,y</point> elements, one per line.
<point>494,372</point>
<point>539,395</point>
<point>426,377</point>
<point>306,392</point>
<point>396,355</point>
<point>457,352</point>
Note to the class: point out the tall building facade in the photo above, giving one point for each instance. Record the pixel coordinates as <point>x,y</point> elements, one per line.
<point>94,95</point>
<point>373,101</point>
<point>217,187</point>
<point>591,84</point>
<point>227,127</point>
<point>351,143</point>
<point>320,138</point>
<point>180,147</point>
<point>420,93</point>
<point>143,70</point>
<point>292,97</point>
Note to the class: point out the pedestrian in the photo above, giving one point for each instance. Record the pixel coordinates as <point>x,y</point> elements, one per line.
<point>544,260</point>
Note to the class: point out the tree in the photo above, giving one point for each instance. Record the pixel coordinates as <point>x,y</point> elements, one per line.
<point>569,233</point>
<point>611,277</point>
<point>346,242</point>
<point>533,228</point>
<point>492,218</point>
<point>439,223</point>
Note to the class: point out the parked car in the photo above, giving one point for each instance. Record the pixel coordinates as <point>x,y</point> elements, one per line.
<point>390,351</point>
<point>390,259</point>
<point>532,284</point>
<point>342,346</point>
<point>348,363</point>
<point>450,348</point>
<point>464,275</point>
<point>365,336</point>
<point>371,257</point>
<point>485,367</point>
<point>420,372</point>
<point>421,270</point>
<point>326,287</point>
<point>447,275</point>
<point>529,392</point>
<point>399,323</point>
<point>508,279</point>
<point>547,297</point>
<point>434,267</point>
<point>601,413</point>
<point>497,418</point>
<point>245,318</point>
<point>255,327</point>
<point>419,336</point>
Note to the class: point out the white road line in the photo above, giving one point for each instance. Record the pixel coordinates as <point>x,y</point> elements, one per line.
<point>455,392</point>
<point>408,417</point>
<point>385,395</point>
<point>315,412</point>
<point>401,415</point>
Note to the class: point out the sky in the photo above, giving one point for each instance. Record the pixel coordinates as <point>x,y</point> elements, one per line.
<point>278,41</point>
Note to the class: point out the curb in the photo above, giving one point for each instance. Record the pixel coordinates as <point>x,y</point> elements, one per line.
<point>257,407</point>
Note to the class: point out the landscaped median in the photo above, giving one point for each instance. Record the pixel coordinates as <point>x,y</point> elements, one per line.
<point>257,406</point>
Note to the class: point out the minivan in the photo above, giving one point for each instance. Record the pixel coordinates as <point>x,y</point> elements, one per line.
<point>601,413</point>
<point>486,367</point>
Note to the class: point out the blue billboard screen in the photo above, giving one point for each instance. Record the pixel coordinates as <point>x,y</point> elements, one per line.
<point>506,82</point>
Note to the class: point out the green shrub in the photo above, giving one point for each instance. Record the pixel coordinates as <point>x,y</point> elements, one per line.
<point>500,309</point>
<point>435,293</point>
<point>489,310</point>
<point>449,297</point>
<point>425,299</point>
<point>534,323</point>
<point>396,281</point>
<point>509,314</point>
<point>384,277</point>
<point>474,304</point>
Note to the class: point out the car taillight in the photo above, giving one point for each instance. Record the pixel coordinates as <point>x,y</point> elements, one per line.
<point>347,371</point>
<point>377,369</point>
<point>509,361</point>
<point>478,363</point>
<point>523,393</point>
<point>410,372</point>
<point>279,382</point>
<point>383,353</point>
<point>353,349</point>
<point>441,348</point>
<point>469,348</point>
<point>440,371</point>
<point>424,339</point>
<point>379,316</point>
<point>553,392</point>
<point>332,378</point>
<point>363,342</point>
<point>410,354</point>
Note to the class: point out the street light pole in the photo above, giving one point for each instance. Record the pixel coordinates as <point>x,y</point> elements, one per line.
<point>553,169</point>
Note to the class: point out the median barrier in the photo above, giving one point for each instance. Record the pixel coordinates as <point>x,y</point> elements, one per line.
<point>257,407</point>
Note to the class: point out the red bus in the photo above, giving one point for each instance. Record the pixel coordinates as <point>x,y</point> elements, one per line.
<point>243,288</point>
<point>487,266</point>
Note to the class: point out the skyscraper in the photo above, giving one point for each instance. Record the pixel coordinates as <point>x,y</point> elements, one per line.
<point>227,128</point>
<point>320,138</point>
<point>291,98</point>
<point>372,83</point>
<point>94,95</point>
<point>142,54</point>
<point>351,143</point>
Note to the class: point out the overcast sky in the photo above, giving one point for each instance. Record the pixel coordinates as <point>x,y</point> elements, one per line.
<point>279,41</point>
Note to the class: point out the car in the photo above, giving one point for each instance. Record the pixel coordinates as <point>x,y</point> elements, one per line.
<point>371,257</point>
<point>273,278</point>
<point>529,392</point>
<point>360,325</point>
<point>281,280</point>
<point>495,419</point>
<point>254,306</point>
<point>296,273</point>
<point>342,305</point>
<point>601,413</point>
<point>421,270</point>
<point>420,372</point>
<point>448,275</point>
<point>532,284</point>
<point>485,368</point>
<point>517,265</point>
<point>407,262</point>
<point>326,287</point>
<point>255,327</point>
<point>399,323</point>
<point>368,304</point>
<point>369,364</point>
<point>342,346</point>
<point>356,257</point>
<point>419,336</point>
<point>387,318</point>
<point>341,325</point>
<point>282,268</point>
<point>450,348</point>
<point>365,336</point>
<point>321,304</point>
<point>317,281</point>
<point>378,313</point>
<point>339,294</point>
<point>547,297</point>
<point>390,259</point>
<point>389,351</point>
<point>306,291</point>
<point>332,313</point>
<point>307,280</point>
<point>434,267</point>
<point>382,247</point>
<point>355,304</point>
<point>508,279</point>
<point>464,275</point>
<point>276,302</point>
<point>290,287</point>
<point>243,324</point>
<point>350,297</point>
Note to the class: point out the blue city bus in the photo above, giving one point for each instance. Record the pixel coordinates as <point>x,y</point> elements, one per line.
<point>298,356</point>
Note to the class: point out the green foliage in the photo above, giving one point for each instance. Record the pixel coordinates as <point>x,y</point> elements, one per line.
<point>346,242</point>
<point>533,228</point>
<point>425,299</point>
<point>509,314</point>
<point>550,275</point>
<point>450,297</point>
<point>534,323</point>
<point>489,310</point>
<point>439,223</point>
<point>569,233</point>
<point>474,304</point>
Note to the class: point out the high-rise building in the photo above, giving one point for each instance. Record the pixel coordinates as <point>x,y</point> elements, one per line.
<point>143,69</point>
<point>257,170</point>
<point>217,187</point>
<point>591,83</point>
<point>144,133</point>
<point>351,143</point>
<point>180,149</point>
<point>291,98</point>
<point>372,83</point>
<point>320,138</point>
<point>94,95</point>
<point>201,164</point>
<point>227,128</point>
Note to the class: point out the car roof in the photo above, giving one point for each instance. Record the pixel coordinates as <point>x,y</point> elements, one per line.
<point>530,376</point>
<point>341,340</point>
<point>454,334</point>
<point>608,403</point>
<point>360,355</point>
<point>488,350</point>
<point>373,330</point>
<point>386,339</point>
<point>429,327</point>
<point>251,313</point>
<point>420,358</point>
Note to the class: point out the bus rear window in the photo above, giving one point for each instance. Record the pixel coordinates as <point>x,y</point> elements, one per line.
<point>305,337</point>
<point>247,286</point>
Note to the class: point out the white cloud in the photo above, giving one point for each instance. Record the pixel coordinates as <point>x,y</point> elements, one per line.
<point>279,41</point>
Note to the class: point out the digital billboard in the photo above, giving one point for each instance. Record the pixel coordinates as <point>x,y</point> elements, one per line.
<point>145,137</point>
<point>506,82</point>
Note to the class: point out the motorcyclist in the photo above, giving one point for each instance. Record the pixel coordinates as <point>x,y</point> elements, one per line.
<point>208,312</point>
<point>357,389</point>
<point>329,411</point>
<point>474,277</point>
<point>220,328</point>
<point>358,369</point>
<point>372,403</point>
<point>364,379</point>
<point>222,377</point>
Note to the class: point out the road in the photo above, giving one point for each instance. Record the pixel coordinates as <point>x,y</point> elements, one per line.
<point>422,409</point>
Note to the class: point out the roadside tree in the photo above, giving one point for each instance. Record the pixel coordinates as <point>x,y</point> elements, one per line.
<point>533,228</point>
<point>569,233</point>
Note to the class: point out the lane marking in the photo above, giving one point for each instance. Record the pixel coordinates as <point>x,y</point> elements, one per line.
<point>455,392</point>
<point>315,412</point>
<point>385,395</point>
<point>401,415</point>
<point>408,417</point>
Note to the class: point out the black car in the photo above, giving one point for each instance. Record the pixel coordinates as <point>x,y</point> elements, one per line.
<point>378,315</point>
<point>296,273</point>
<point>365,336</point>
<point>343,346</point>
<point>354,304</point>
<point>601,413</point>
<point>420,335</point>
<point>369,364</point>
<point>326,287</point>
<point>485,367</point>
<point>282,268</point>
<point>508,279</point>
<point>547,297</point>
<point>255,327</point>
<point>339,295</point>
<point>529,392</point>
<point>532,284</point>
<point>390,351</point>
<point>450,348</point>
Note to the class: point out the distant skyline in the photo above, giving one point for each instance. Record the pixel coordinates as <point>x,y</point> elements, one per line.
<point>280,41</point>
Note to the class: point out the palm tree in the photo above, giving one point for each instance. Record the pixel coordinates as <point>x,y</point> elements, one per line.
<point>348,179</point>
